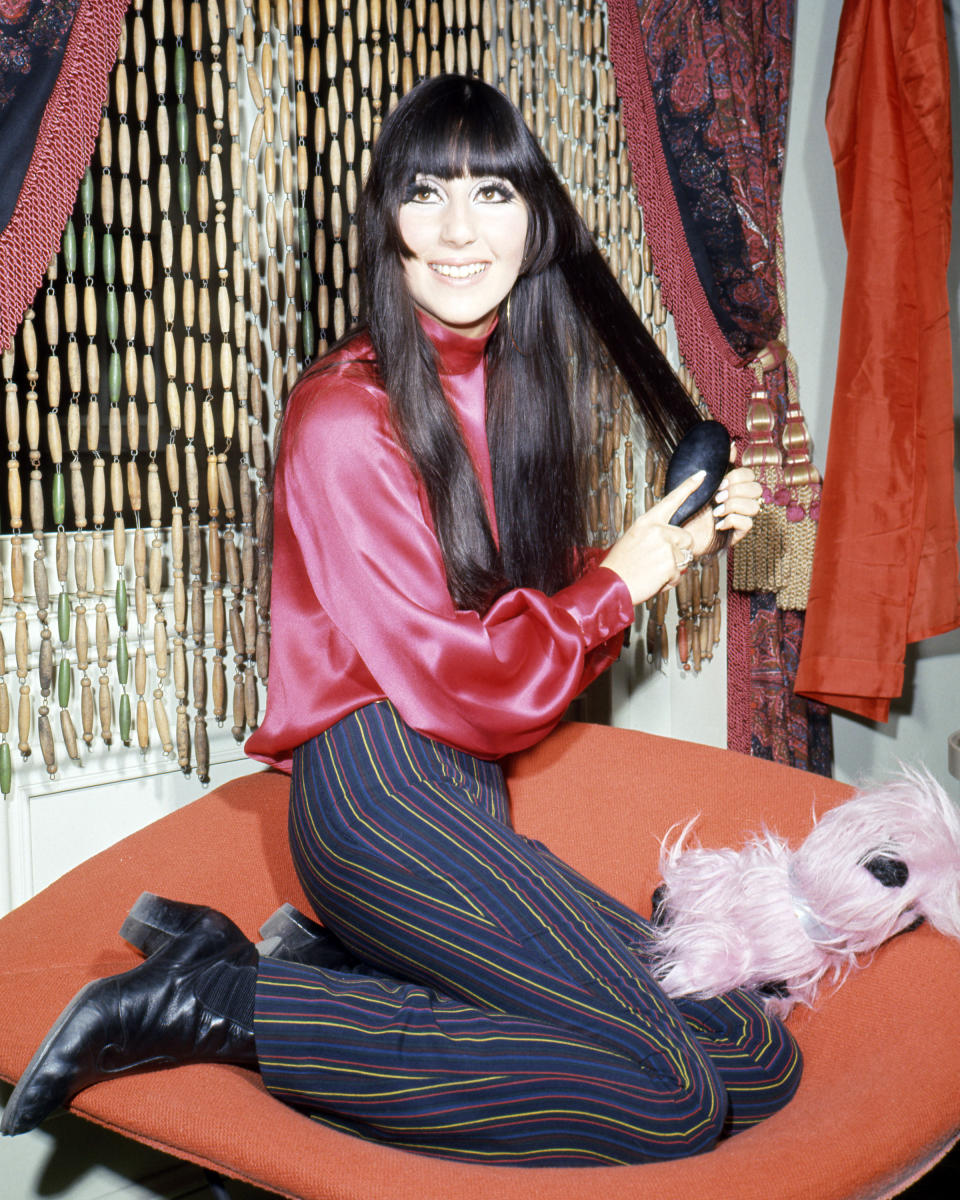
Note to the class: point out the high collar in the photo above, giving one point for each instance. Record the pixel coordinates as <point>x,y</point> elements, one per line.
<point>457,353</point>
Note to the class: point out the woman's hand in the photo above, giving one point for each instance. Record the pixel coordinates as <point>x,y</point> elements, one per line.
<point>653,554</point>
<point>735,505</point>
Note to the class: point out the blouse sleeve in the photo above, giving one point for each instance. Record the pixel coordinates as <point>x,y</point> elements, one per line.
<point>492,684</point>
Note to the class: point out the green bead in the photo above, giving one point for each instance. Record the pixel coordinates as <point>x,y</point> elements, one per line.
<point>113,377</point>
<point>306,281</point>
<point>59,498</point>
<point>303,229</point>
<point>109,258</point>
<point>63,682</point>
<point>183,188</point>
<point>121,599</point>
<point>86,192</point>
<point>69,246</point>
<point>123,658</point>
<point>124,718</point>
<point>88,250</point>
<point>112,315</point>
<point>63,616</point>
<point>179,70</point>
<point>307,333</point>
<point>6,769</point>
<point>183,128</point>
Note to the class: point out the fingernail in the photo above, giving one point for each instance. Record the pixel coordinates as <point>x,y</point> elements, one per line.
<point>718,511</point>
<point>721,496</point>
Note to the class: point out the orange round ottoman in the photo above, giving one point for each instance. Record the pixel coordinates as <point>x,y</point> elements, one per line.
<point>880,1098</point>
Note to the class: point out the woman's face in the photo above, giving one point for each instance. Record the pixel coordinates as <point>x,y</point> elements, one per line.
<point>467,237</point>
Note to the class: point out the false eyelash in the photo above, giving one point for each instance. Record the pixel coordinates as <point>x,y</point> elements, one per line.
<point>415,188</point>
<point>503,189</point>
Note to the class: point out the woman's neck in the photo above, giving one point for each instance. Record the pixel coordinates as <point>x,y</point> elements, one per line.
<point>458,353</point>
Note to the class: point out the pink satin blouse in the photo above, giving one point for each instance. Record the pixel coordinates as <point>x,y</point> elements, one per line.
<point>360,609</point>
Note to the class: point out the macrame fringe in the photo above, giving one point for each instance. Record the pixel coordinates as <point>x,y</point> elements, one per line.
<point>68,135</point>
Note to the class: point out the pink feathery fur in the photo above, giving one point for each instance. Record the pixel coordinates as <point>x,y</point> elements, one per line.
<point>766,915</point>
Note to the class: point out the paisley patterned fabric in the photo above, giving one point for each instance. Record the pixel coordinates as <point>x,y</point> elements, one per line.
<point>55,61</point>
<point>33,37</point>
<point>720,76</point>
<point>784,727</point>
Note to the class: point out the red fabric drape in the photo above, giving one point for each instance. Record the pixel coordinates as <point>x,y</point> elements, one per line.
<point>67,137</point>
<point>885,567</point>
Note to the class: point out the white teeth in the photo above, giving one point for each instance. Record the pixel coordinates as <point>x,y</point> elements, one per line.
<point>458,272</point>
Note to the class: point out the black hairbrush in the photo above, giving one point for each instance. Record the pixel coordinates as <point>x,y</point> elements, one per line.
<point>705,448</point>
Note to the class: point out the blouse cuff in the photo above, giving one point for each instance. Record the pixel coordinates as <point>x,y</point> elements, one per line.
<point>599,602</point>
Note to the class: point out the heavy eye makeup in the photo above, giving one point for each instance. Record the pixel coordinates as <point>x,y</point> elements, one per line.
<point>496,191</point>
<point>419,191</point>
<point>491,190</point>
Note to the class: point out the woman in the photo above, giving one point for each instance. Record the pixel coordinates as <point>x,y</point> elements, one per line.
<point>434,609</point>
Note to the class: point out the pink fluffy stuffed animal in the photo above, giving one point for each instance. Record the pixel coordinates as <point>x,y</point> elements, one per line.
<point>785,921</point>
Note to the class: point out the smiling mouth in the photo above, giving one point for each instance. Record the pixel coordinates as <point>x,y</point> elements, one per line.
<point>459,271</point>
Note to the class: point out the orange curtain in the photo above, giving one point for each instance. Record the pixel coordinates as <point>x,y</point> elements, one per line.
<point>885,568</point>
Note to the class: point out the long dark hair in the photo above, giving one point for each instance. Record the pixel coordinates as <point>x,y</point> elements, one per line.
<point>563,308</point>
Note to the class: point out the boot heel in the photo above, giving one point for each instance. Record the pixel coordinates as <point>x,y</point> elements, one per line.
<point>154,922</point>
<point>291,929</point>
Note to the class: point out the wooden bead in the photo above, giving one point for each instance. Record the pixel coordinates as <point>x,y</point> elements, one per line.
<point>162,722</point>
<point>86,710</point>
<point>80,563</point>
<point>23,721</point>
<point>202,750</point>
<point>69,735</point>
<point>45,734</point>
<point>41,587</point>
<point>250,698</point>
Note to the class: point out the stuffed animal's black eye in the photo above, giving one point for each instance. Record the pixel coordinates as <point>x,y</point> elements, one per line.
<point>891,872</point>
<point>658,900</point>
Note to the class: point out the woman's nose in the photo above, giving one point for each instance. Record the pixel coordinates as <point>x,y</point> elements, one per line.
<point>459,222</point>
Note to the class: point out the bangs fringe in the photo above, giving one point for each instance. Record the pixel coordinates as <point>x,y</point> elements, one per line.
<point>463,128</point>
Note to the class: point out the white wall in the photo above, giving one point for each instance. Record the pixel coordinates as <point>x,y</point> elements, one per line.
<point>929,710</point>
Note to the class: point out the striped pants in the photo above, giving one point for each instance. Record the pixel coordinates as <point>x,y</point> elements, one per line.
<point>494,1005</point>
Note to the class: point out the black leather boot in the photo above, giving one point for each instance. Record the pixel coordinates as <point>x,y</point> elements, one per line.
<point>190,1001</point>
<point>293,937</point>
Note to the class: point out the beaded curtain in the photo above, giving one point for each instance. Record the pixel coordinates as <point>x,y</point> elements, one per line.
<point>212,252</point>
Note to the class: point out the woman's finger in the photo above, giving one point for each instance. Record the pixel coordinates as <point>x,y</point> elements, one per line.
<point>740,477</point>
<point>737,520</point>
<point>665,508</point>
<point>682,548</point>
<point>747,506</point>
